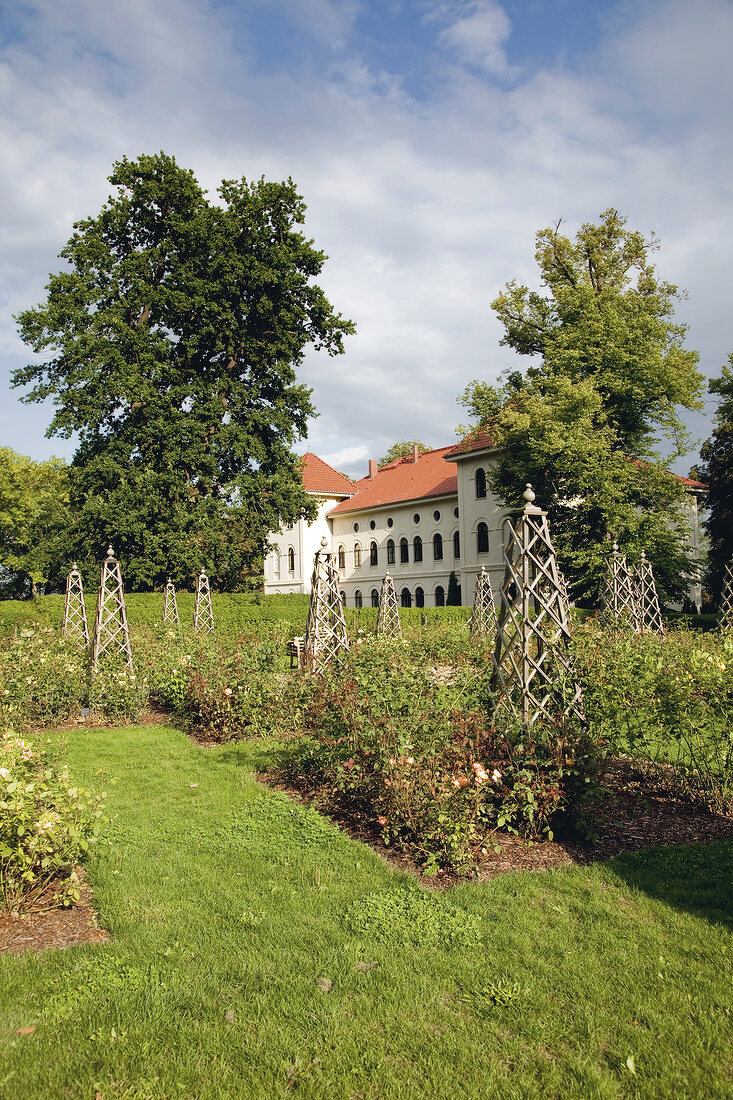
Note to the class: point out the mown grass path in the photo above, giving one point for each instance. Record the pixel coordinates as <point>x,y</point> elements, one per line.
<point>258,952</point>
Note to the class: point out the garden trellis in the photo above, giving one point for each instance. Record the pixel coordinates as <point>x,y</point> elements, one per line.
<point>483,617</point>
<point>533,670</point>
<point>619,596</point>
<point>111,633</point>
<point>170,605</point>
<point>326,637</point>
<point>203,612</point>
<point>388,615</point>
<point>725,615</point>
<point>75,626</point>
<point>648,611</point>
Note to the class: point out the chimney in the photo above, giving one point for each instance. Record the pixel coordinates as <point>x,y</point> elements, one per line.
<point>373,467</point>
<point>415,452</point>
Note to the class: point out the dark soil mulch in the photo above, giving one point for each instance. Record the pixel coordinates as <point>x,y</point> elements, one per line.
<point>637,812</point>
<point>47,925</point>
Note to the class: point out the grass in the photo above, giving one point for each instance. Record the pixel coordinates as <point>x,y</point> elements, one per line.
<point>259,952</point>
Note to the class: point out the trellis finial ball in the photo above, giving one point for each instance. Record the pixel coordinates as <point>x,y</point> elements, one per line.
<point>110,551</point>
<point>528,493</point>
<point>615,547</point>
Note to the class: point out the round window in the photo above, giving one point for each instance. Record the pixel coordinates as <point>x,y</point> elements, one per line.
<point>455,512</point>
<point>436,515</point>
<point>416,517</point>
<point>390,522</point>
<point>356,526</point>
<point>372,524</point>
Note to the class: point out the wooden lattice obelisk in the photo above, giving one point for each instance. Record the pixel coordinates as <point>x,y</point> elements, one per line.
<point>483,617</point>
<point>388,615</point>
<point>725,614</point>
<point>533,672</point>
<point>203,612</point>
<point>326,637</point>
<point>648,611</point>
<point>75,615</point>
<point>619,598</point>
<point>170,605</point>
<point>111,635</point>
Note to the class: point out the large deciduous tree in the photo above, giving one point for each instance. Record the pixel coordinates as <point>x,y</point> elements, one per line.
<point>171,342</point>
<point>582,423</point>
<point>717,456</point>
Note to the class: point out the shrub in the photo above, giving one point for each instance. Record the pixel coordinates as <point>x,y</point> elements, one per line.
<point>117,691</point>
<point>668,701</point>
<point>46,824</point>
<point>407,745</point>
<point>42,680</point>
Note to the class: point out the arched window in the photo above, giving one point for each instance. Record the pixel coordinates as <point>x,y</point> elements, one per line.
<point>480,483</point>
<point>291,560</point>
<point>357,556</point>
<point>375,598</point>
<point>357,599</point>
<point>456,544</point>
<point>440,596</point>
<point>342,558</point>
<point>343,598</point>
<point>437,547</point>
<point>482,538</point>
<point>373,554</point>
<point>390,552</point>
<point>417,549</point>
<point>406,598</point>
<point>419,598</point>
<point>276,563</point>
<point>404,551</point>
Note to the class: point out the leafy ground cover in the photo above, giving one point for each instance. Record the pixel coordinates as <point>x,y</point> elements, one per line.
<point>256,950</point>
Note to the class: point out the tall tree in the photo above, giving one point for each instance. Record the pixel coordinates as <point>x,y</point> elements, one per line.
<point>173,338</point>
<point>717,456</point>
<point>582,423</point>
<point>34,516</point>
<point>403,450</point>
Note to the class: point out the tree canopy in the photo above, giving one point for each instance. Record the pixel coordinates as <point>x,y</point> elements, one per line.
<point>717,456</point>
<point>34,515</point>
<point>582,423</point>
<point>403,450</point>
<point>172,340</point>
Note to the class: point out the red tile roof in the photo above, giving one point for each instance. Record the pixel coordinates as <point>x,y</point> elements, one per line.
<point>690,482</point>
<point>477,440</point>
<point>319,477</point>
<point>403,480</point>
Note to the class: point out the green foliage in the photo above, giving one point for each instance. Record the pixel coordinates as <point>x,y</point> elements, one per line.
<point>667,701</point>
<point>173,338</point>
<point>47,824</point>
<point>717,456</point>
<point>582,423</point>
<point>34,514</point>
<point>403,450</point>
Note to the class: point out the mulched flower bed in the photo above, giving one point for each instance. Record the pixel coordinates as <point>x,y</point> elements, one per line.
<point>47,925</point>
<point>638,812</point>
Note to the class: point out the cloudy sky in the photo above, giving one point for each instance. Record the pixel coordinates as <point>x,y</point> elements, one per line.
<point>431,139</point>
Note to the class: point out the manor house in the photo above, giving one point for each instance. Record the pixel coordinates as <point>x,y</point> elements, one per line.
<point>428,519</point>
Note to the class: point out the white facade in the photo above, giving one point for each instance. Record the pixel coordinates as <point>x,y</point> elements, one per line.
<point>289,565</point>
<point>420,542</point>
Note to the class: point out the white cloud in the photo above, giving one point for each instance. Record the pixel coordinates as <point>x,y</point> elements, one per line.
<point>426,207</point>
<point>476,34</point>
<point>351,459</point>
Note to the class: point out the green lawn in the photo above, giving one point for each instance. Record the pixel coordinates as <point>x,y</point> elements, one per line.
<point>258,952</point>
